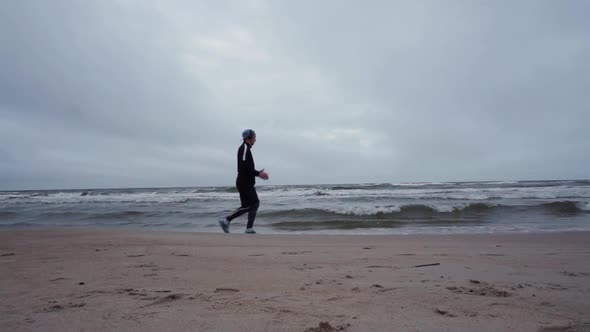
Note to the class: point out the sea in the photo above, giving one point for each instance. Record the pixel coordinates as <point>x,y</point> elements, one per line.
<point>369,208</point>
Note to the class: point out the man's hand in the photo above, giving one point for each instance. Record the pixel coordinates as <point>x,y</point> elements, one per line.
<point>263,175</point>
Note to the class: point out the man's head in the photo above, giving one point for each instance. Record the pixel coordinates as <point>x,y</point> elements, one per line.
<point>249,136</point>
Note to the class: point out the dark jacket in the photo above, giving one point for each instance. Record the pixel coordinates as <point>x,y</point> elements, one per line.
<point>246,172</point>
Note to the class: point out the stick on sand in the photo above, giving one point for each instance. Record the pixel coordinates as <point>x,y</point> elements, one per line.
<point>431,264</point>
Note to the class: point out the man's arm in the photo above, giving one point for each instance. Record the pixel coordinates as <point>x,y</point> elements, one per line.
<point>247,163</point>
<point>261,173</point>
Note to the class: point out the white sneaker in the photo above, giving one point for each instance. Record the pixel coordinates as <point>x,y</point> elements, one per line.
<point>224,224</point>
<point>250,231</point>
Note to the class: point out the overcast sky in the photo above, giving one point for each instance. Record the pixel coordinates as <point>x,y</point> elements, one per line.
<point>124,93</point>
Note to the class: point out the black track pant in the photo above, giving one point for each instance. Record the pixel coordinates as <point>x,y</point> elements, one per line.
<point>250,203</point>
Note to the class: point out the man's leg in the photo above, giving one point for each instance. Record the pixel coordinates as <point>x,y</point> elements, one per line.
<point>254,203</point>
<point>224,222</point>
<point>244,200</point>
<point>238,212</point>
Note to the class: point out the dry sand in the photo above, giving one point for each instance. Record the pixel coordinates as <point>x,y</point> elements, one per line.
<point>61,280</point>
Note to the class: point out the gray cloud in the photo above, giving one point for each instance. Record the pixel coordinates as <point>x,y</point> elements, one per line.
<point>126,93</point>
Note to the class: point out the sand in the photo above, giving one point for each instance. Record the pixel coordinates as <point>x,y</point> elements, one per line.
<point>88,280</point>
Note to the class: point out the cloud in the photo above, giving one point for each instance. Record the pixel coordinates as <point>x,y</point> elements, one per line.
<point>136,94</point>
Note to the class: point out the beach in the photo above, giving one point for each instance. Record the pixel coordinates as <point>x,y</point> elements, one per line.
<point>74,279</point>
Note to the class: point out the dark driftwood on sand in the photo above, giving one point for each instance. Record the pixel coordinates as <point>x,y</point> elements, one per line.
<point>431,264</point>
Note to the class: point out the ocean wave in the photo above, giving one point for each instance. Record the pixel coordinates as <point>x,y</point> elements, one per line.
<point>380,211</point>
<point>7,213</point>
<point>116,215</point>
<point>328,225</point>
<point>18,225</point>
<point>338,224</point>
<point>62,215</point>
<point>363,186</point>
<point>136,198</point>
<point>18,196</point>
<point>418,209</point>
<point>71,215</point>
<point>566,207</point>
<point>480,191</point>
<point>215,190</point>
<point>461,210</point>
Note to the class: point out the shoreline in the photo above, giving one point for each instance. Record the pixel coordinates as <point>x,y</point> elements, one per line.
<point>92,278</point>
<point>240,227</point>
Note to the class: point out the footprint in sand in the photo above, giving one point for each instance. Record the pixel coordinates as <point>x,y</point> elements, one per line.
<point>58,279</point>
<point>444,312</point>
<point>294,252</point>
<point>553,286</point>
<point>131,292</point>
<point>54,308</point>
<point>145,265</point>
<point>306,267</point>
<point>573,274</point>
<point>380,289</point>
<point>58,307</point>
<point>166,299</point>
<point>482,289</point>
<point>226,290</point>
<point>327,327</point>
<point>574,326</point>
<point>92,293</point>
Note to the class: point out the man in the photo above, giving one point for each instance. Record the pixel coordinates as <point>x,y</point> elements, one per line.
<point>245,182</point>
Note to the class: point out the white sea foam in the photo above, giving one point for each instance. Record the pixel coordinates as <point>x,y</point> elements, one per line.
<point>364,210</point>
<point>310,193</point>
